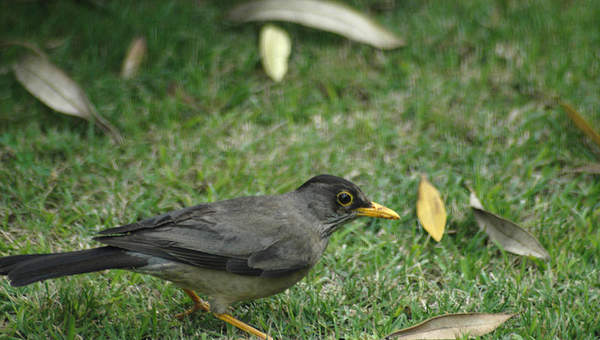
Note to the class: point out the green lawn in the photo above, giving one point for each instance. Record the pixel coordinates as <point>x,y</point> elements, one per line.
<point>462,103</point>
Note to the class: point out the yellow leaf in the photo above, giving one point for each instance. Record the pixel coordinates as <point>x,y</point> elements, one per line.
<point>581,123</point>
<point>430,210</point>
<point>275,47</point>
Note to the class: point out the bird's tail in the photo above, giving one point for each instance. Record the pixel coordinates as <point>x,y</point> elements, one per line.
<point>25,269</point>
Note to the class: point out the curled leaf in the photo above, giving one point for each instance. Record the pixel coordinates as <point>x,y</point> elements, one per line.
<point>580,122</point>
<point>54,88</point>
<point>452,326</point>
<point>507,234</point>
<point>324,15</point>
<point>275,47</point>
<point>133,59</point>
<point>430,210</point>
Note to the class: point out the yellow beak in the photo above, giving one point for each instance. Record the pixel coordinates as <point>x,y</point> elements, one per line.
<point>379,211</point>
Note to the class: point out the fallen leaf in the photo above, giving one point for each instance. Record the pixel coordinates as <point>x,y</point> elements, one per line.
<point>580,122</point>
<point>452,326</point>
<point>22,43</point>
<point>325,15</point>
<point>430,210</point>
<point>54,88</point>
<point>55,43</point>
<point>133,59</point>
<point>588,169</point>
<point>507,234</point>
<point>275,47</point>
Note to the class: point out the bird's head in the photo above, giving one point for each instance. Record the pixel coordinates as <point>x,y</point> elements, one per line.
<point>334,201</point>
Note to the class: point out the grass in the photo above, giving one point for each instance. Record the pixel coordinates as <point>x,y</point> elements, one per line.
<point>459,103</point>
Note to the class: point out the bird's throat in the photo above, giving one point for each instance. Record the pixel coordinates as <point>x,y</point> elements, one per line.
<point>334,224</point>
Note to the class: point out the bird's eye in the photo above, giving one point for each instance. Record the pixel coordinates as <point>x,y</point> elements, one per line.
<point>344,198</point>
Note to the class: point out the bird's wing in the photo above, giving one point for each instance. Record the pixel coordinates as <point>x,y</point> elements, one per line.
<point>219,237</point>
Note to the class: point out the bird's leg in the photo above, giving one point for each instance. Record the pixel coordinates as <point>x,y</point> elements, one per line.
<point>198,304</point>
<point>201,304</point>
<point>243,326</point>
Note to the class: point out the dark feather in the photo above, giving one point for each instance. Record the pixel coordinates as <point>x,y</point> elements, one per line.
<point>25,269</point>
<point>328,179</point>
<point>9,262</point>
<point>240,267</point>
<point>236,265</point>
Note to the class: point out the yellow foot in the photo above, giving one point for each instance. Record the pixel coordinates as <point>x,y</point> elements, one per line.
<point>243,326</point>
<point>198,304</point>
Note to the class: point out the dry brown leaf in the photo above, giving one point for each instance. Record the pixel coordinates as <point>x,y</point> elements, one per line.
<point>275,47</point>
<point>452,326</point>
<point>580,122</point>
<point>430,210</point>
<point>133,59</point>
<point>329,16</point>
<point>593,168</point>
<point>507,234</point>
<point>54,88</point>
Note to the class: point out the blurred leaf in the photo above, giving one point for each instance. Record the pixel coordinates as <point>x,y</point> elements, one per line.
<point>56,42</point>
<point>22,43</point>
<point>133,59</point>
<point>580,122</point>
<point>510,236</point>
<point>453,326</point>
<point>275,47</point>
<point>325,15</point>
<point>588,169</point>
<point>54,88</point>
<point>430,210</point>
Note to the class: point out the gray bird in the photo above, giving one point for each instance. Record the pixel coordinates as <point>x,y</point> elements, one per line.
<point>234,250</point>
